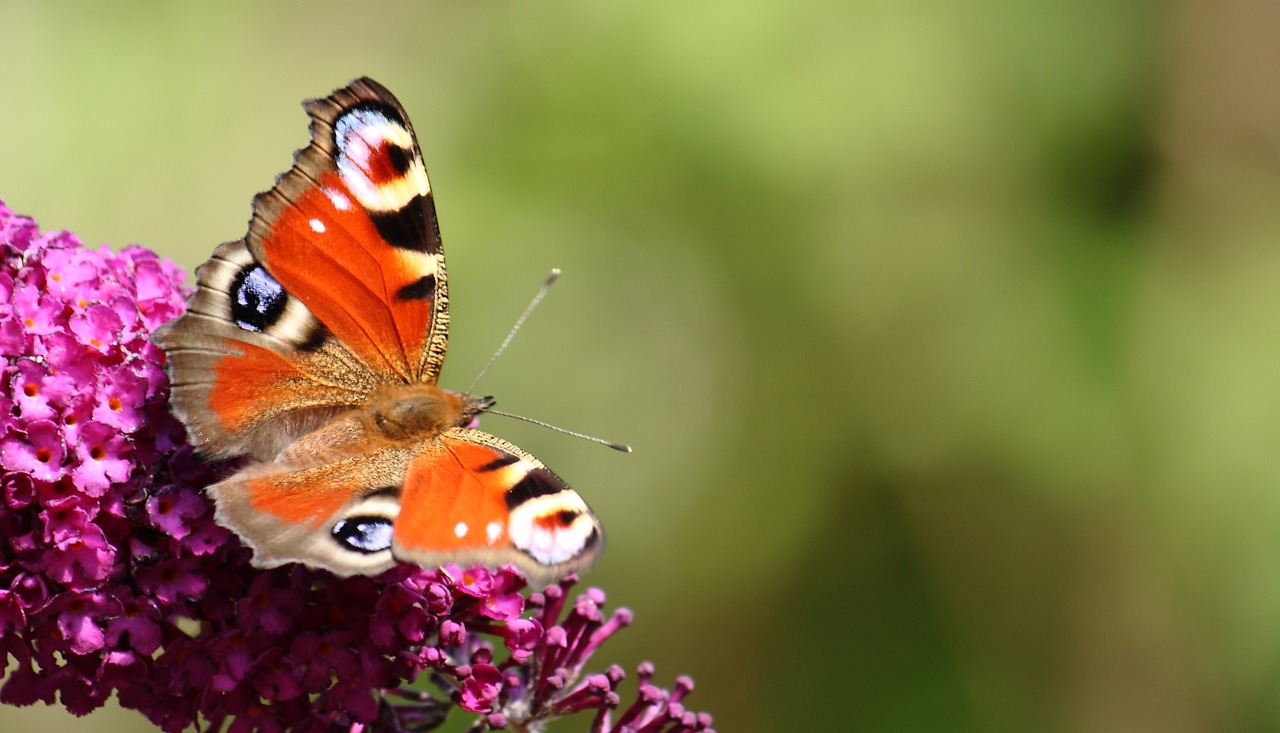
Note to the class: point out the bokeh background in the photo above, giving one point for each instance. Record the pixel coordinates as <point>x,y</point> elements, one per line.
<point>947,333</point>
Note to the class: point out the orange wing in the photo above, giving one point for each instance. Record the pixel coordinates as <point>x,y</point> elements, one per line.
<point>463,497</point>
<point>338,286</point>
<point>472,498</point>
<point>351,232</point>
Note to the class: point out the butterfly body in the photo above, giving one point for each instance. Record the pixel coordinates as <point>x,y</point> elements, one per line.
<point>312,347</point>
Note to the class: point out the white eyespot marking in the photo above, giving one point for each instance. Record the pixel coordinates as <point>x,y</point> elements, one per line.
<point>317,226</point>
<point>340,202</point>
<point>494,531</point>
<point>538,526</point>
<point>460,529</point>
<point>365,139</point>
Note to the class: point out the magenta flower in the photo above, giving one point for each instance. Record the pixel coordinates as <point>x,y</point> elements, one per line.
<point>114,577</point>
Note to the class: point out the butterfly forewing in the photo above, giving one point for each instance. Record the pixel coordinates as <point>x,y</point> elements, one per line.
<point>351,232</point>
<point>250,368</point>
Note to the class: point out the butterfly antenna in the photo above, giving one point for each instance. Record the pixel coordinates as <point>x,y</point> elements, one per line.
<point>620,447</point>
<point>542,292</point>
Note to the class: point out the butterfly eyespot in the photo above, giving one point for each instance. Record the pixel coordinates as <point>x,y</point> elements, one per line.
<point>371,145</point>
<point>257,300</point>
<point>364,534</point>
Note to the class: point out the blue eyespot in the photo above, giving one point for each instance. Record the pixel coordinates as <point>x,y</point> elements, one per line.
<point>257,300</point>
<point>365,535</point>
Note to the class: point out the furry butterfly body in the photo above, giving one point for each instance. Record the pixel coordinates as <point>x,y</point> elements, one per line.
<point>312,347</point>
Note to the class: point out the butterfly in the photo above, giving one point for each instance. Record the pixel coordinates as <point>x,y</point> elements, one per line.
<point>311,348</point>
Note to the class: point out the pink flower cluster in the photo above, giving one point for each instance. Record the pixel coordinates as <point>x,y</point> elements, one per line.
<point>542,679</point>
<point>114,577</point>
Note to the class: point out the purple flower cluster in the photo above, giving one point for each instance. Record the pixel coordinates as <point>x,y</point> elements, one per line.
<point>114,577</point>
<point>541,678</point>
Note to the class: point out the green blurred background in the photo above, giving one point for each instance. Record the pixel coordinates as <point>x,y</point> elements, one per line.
<point>945,332</point>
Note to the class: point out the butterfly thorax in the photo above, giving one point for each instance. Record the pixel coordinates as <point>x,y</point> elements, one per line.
<point>409,411</point>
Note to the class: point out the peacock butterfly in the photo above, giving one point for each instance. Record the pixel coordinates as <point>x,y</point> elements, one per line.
<point>311,347</point>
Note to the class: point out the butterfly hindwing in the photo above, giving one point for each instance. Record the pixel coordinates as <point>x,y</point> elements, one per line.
<point>466,497</point>
<point>329,500</point>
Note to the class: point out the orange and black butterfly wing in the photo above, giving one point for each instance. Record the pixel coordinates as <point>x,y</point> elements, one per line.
<point>329,500</point>
<point>339,285</point>
<point>351,232</point>
<point>463,497</point>
<point>471,498</point>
